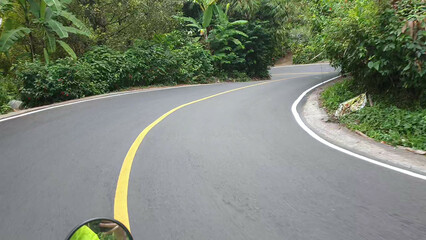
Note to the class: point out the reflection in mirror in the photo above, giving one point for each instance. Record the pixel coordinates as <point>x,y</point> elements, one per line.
<point>101,229</point>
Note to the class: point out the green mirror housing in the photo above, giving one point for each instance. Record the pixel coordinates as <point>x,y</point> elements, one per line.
<point>100,229</point>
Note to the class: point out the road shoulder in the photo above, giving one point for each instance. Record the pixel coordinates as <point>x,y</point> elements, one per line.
<point>318,120</point>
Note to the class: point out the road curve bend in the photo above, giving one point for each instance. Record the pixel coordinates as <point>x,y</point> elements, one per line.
<point>233,166</point>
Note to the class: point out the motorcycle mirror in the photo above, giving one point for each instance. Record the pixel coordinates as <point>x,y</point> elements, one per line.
<point>100,229</point>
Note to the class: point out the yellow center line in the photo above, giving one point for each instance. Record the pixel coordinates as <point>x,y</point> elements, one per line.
<point>120,202</point>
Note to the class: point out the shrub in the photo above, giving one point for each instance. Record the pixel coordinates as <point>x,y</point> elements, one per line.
<point>108,66</point>
<point>148,63</point>
<point>370,39</point>
<point>168,59</point>
<point>194,63</point>
<point>63,80</point>
<point>259,49</point>
<point>247,49</point>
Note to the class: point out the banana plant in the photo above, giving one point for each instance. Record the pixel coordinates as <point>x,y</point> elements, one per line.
<point>44,16</point>
<point>225,31</point>
<point>207,6</point>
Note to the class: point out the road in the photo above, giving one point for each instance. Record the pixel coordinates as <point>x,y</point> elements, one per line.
<point>236,166</point>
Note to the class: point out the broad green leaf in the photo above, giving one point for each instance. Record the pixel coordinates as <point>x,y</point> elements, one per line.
<point>43,7</point>
<point>51,43</point>
<point>48,14</point>
<point>189,19</point>
<point>46,56</point>
<point>222,16</point>
<point>238,43</point>
<point>194,25</point>
<point>79,24</point>
<point>34,8</point>
<point>227,9</point>
<point>58,28</point>
<point>207,16</point>
<point>236,32</point>
<point>56,4</point>
<point>239,22</point>
<point>10,37</point>
<point>68,49</point>
<point>76,31</point>
<point>407,67</point>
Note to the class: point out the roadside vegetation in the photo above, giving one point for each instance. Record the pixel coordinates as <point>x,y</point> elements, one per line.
<point>52,51</point>
<point>381,45</point>
<point>392,119</point>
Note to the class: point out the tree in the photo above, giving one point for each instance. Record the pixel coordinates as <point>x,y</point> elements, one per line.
<point>207,8</point>
<point>42,18</point>
<point>118,23</point>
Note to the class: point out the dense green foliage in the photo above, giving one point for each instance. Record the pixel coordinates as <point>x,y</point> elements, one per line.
<point>127,43</point>
<point>45,24</point>
<point>391,119</point>
<point>167,60</point>
<point>382,45</point>
<point>118,23</point>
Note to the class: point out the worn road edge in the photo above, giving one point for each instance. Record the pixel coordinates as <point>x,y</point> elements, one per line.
<point>331,145</point>
<point>26,112</point>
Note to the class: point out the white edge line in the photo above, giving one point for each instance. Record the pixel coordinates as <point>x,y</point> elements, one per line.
<point>110,95</point>
<point>323,141</point>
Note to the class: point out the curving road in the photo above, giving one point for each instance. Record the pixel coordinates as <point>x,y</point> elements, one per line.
<point>236,166</point>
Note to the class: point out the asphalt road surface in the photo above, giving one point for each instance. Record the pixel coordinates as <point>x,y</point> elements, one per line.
<point>236,166</point>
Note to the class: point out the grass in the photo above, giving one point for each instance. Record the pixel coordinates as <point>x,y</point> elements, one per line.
<point>392,119</point>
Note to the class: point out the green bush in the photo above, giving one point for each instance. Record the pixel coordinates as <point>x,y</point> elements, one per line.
<point>195,65</point>
<point>259,49</point>
<point>148,63</point>
<point>62,80</point>
<point>108,66</point>
<point>246,49</point>
<point>374,41</point>
<point>167,60</point>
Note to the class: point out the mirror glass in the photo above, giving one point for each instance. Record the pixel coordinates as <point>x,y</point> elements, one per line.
<point>101,229</point>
